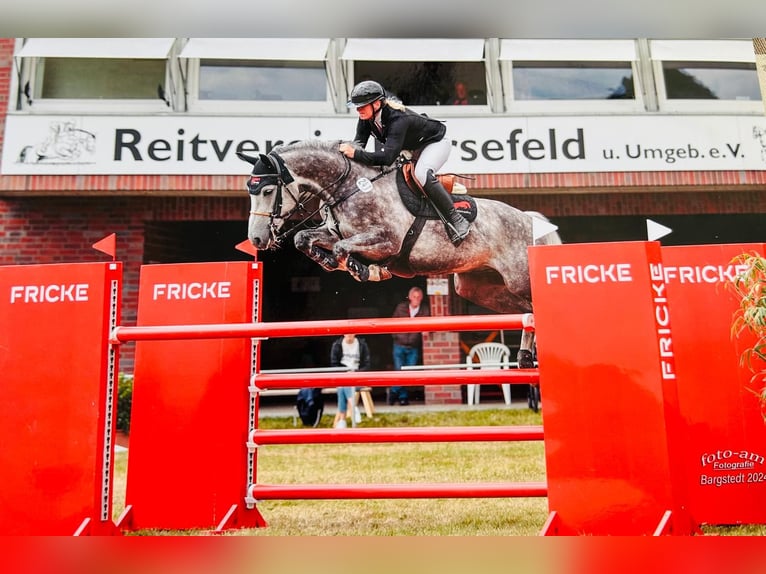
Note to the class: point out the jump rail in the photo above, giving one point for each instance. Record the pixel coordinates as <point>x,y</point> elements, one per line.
<point>122,334</point>
<point>260,437</point>
<point>210,422</point>
<point>393,378</point>
<point>258,492</point>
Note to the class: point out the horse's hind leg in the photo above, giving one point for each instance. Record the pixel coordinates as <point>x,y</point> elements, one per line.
<point>525,357</point>
<point>488,289</point>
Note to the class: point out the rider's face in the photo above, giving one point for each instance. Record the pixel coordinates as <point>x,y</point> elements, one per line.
<point>367,111</point>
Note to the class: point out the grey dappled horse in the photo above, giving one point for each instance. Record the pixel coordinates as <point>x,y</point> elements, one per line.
<point>366,225</point>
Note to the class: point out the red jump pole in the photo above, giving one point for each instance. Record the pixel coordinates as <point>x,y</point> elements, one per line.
<point>421,490</point>
<point>386,378</point>
<point>321,328</point>
<point>259,437</point>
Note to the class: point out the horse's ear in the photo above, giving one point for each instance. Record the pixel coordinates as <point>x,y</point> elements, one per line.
<point>249,159</point>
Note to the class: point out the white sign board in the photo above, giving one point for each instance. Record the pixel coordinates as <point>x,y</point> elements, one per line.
<point>437,286</point>
<point>53,145</point>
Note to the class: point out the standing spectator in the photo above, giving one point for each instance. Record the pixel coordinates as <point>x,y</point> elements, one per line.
<point>352,352</point>
<point>407,346</point>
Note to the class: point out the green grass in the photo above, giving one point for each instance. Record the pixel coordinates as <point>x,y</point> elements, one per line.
<point>404,463</point>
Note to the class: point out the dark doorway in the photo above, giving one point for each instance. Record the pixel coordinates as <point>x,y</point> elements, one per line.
<point>687,229</point>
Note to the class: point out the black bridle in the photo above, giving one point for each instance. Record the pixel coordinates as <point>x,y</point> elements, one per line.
<point>282,178</point>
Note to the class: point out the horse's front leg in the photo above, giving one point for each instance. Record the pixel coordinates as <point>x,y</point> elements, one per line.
<point>317,244</point>
<point>374,247</point>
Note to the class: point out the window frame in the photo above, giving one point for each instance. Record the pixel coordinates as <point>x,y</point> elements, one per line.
<point>268,49</point>
<point>551,51</point>
<point>32,67</point>
<point>689,51</point>
<point>402,50</point>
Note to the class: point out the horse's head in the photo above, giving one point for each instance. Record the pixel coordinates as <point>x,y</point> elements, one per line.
<point>277,192</point>
<point>267,180</point>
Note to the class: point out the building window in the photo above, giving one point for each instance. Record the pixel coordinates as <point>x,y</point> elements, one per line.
<point>699,76</point>
<point>572,81</point>
<point>257,75</point>
<point>427,83</point>
<point>262,81</point>
<point>711,81</point>
<point>91,78</point>
<point>570,76</point>
<point>423,73</point>
<point>94,75</point>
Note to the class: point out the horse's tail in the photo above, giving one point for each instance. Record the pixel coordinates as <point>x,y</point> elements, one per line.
<point>537,214</point>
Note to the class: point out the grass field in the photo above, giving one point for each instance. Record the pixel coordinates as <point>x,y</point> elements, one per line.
<point>403,463</point>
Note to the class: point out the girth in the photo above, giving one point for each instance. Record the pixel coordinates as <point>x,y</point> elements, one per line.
<point>417,203</point>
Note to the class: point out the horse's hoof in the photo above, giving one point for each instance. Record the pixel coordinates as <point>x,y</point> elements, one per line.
<point>378,273</point>
<point>359,271</point>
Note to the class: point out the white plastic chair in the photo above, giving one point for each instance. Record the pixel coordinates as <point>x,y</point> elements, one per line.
<point>491,356</point>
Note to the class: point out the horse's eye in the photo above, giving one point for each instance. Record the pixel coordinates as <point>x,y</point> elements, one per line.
<point>268,191</point>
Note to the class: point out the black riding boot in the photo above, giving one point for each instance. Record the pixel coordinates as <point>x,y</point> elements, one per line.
<point>456,225</point>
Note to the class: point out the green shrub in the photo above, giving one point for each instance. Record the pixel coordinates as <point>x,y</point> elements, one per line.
<point>750,317</point>
<point>124,401</point>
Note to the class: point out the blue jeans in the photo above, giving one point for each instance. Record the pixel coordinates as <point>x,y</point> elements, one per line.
<point>345,394</point>
<point>404,356</point>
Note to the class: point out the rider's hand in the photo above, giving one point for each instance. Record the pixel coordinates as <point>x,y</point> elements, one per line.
<point>347,150</point>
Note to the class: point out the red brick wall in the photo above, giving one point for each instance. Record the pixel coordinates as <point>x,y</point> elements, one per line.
<point>60,230</point>
<point>441,348</point>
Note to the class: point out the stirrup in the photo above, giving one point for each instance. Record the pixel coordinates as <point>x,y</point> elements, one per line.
<point>455,236</point>
<point>457,228</point>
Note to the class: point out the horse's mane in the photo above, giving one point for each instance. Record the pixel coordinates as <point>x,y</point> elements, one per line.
<point>309,145</point>
<point>328,148</point>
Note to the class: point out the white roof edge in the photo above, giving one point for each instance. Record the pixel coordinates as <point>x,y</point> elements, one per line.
<point>139,48</point>
<point>414,50</point>
<point>569,50</point>
<point>304,49</point>
<point>703,50</point>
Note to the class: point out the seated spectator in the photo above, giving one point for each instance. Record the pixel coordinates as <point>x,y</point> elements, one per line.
<point>352,352</point>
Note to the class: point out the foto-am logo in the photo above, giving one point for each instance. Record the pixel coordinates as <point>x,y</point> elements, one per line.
<point>728,459</point>
<point>65,144</point>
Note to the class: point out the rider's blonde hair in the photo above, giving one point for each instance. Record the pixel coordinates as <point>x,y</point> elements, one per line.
<point>395,103</point>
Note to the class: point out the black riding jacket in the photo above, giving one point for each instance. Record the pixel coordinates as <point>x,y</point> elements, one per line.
<point>402,130</point>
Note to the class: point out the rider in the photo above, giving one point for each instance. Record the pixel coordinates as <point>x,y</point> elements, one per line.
<point>399,128</point>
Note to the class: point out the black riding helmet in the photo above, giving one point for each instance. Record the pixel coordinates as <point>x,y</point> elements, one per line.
<point>365,93</point>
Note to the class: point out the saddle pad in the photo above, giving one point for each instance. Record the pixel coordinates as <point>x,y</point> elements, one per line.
<point>418,205</point>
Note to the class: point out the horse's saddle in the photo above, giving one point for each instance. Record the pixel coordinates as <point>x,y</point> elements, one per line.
<point>416,201</point>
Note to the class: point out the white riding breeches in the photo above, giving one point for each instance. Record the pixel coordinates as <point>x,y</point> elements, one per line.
<point>432,157</point>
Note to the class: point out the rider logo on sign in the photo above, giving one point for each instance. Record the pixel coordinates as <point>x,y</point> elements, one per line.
<point>364,184</point>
